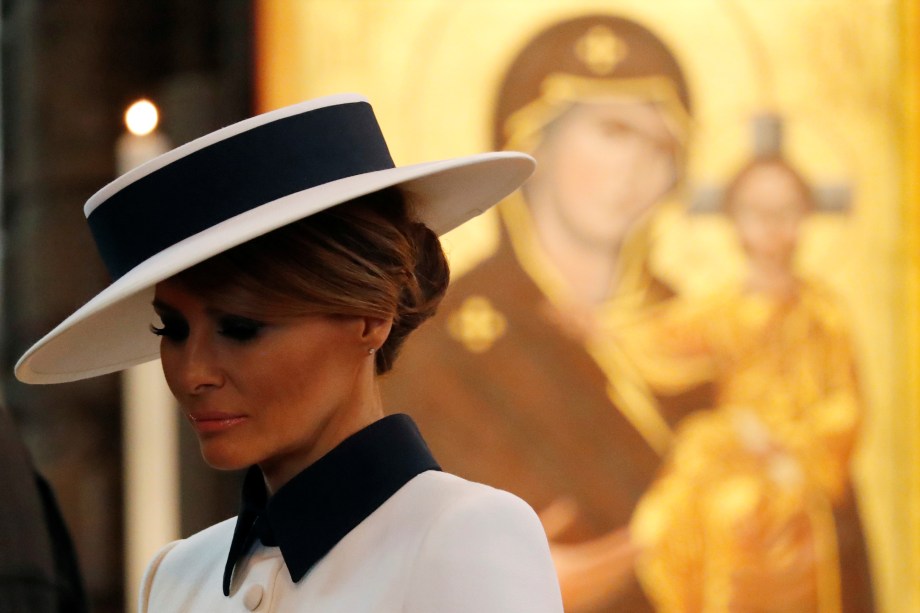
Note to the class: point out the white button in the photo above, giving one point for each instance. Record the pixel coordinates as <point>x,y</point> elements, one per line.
<point>253,597</point>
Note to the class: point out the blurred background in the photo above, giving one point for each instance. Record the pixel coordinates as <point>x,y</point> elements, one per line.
<point>832,85</point>
<point>70,71</point>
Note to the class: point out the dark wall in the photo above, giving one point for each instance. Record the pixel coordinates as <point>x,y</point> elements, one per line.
<point>69,68</point>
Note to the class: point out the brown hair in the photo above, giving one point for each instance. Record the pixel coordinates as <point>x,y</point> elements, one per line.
<point>365,257</point>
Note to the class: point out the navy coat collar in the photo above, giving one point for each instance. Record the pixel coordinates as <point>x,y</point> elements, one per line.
<point>311,513</point>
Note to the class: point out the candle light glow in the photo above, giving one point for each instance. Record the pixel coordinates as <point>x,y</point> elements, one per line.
<point>142,117</point>
<point>141,141</point>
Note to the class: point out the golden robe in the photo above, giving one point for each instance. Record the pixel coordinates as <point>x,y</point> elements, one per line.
<point>755,492</point>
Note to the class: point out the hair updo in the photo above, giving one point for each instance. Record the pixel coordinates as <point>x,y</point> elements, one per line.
<point>365,257</point>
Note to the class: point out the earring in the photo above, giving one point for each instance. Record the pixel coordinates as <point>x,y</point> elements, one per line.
<point>371,350</point>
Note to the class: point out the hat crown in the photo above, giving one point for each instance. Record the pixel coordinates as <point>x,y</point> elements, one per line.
<point>208,139</point>
<point>233,171</point>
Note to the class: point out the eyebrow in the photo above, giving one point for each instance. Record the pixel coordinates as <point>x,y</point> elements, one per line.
<point>159,305</point>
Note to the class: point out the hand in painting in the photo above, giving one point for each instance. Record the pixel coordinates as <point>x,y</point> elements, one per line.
<point>590,572</point>
<point>779,574</point>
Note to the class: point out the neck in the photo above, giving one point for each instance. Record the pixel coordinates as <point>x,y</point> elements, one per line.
<point>772,278</point>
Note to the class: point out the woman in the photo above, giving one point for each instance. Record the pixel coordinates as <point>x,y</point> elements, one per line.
<point>286,260</point>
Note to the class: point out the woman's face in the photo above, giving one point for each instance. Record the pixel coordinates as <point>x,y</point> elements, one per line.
<point>768,208</point>
<point>278,393</point>
<point>602,166</point>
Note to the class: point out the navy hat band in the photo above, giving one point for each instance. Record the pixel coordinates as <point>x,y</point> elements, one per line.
<point>234,175</point>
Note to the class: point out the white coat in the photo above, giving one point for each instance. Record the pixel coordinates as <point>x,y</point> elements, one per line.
<point>440,544</point>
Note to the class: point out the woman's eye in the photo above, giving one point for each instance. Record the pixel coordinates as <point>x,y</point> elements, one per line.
<point>171,330</point>
<point>240,328</point>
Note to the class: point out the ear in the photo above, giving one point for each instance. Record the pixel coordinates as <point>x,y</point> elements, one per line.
<point>375,331</point>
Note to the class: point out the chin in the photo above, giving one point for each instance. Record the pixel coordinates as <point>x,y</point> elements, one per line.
<point>224,457</point>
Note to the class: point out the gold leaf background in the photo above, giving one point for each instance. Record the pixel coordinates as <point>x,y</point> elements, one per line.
<point>842,74</point>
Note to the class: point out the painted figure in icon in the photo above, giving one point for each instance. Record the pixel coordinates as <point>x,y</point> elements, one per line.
<point>754,510</point>
<point>513,382</point>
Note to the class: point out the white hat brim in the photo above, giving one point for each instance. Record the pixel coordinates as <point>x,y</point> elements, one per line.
<point>111,331</point>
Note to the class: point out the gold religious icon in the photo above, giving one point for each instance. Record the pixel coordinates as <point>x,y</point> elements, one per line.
<point>846,77</point>
<point>602,104</point>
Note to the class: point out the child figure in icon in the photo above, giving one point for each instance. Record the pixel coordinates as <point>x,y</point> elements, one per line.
<point>754,509</point>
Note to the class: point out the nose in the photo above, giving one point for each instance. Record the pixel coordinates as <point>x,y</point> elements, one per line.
<point>192,367</point>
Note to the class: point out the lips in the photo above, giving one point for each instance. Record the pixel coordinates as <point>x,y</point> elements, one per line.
<point>207,422</point>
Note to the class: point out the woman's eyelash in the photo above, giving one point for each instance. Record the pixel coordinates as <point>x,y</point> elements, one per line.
<point>235,328</point>
<point>170,330</point>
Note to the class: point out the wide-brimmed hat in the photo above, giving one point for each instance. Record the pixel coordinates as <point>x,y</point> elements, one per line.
<point>231,186</point>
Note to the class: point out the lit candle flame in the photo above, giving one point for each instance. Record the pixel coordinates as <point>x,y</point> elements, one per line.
<point>141,118</point>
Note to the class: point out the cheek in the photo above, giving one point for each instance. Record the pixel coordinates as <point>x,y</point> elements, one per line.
<point>605,170</point>
<point>169,360</point>
<point>297,377</point>
<point>661,169</point>
<point>791,229</point>
<point>580,175</point>
<point>583,165</point>
<point>768,239</point>
<point>751,233</point>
